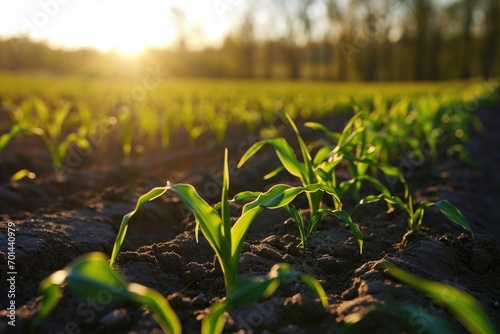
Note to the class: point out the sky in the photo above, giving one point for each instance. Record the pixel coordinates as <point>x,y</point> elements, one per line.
<point>126,26</point>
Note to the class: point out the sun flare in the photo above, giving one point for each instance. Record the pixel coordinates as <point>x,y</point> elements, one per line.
<point>131,28</point>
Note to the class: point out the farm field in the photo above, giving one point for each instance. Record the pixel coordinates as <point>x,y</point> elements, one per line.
<point>77,154</point>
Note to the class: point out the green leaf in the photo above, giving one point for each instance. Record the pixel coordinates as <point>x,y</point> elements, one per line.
<point>313,284</point>
<point>282,194</point>
<point>52,292</point>
<point>376,183</point>
<point>284,152</point>
<point>21,174</point>
<point>253,289</point>
<point>273,173</point>
<point>371,199</point>
<point>213,322</point>
<point>451,211</point>
<point>354,228</point>
<point>346,218</point>
<point>244,195</point>
<point>149,196</point>
<point>317,126</point>
<point>91,276</point>
<point>305,153</point>
<point>321,155</point>
<point>287,157</point>
<point>208,218</point>
<point>300,223</point>
<point>160,309</point>
<point>225,213</point>
<point>395,200</point>
<point>465,308</point>
<point>251,152</point>
<point>60,117</point>
<point>15,130</point>
<point>274,194</point>
<point>239,231</point>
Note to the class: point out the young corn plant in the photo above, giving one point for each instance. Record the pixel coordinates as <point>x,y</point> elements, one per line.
<point>51,126</point>
<point>356,147</point>
<point>225,240</point>
<point>15,130</point>
<point>252,289</point>
<point>416,215</point>
<point>91,276</point>
<point>305,171</point>
<point>306,228</point>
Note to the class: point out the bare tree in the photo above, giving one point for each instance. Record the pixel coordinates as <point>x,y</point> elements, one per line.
<point>179,20</point>
<point>491,43</point>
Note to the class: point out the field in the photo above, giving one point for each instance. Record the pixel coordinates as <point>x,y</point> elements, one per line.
<point>329,180</point>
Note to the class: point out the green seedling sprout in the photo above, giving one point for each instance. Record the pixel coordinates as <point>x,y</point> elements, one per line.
<point>416,216</point>
<point>90,276</point>
<point>50,125</point>
<point>225,240</point>
<point>465,308</point>
<point>305,229</point>
<point>305,171</point>
<point>356,147</point>
<point>252,289</point>
<point>14,131</point>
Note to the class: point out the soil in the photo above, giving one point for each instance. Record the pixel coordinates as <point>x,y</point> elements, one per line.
<point>58,218</point>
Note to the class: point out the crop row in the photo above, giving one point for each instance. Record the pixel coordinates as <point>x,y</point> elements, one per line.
<point>366,147</point>
<point>136,124</point>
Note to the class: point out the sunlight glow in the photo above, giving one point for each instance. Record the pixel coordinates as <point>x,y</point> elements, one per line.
<point>126,26</point>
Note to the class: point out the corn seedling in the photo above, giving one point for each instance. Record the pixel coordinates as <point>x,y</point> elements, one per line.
<point>225,240</point>
<point>255,288</point>
<point>91,276</point>
<point>357,147</point>
<point>50,125</point>
<point>21,174</point>
<point>305,171</point>
<point>14,131</point>
<point>305,229</point>
<point>416,216</point>
<point>465,308</point>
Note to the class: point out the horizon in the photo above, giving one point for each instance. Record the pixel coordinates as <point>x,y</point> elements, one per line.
<point>64,24</point>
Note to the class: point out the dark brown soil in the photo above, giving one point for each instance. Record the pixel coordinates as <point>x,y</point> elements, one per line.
<point>58,219</point>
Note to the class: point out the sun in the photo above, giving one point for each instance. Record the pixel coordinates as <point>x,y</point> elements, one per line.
<point>127,27</point>
<point>122,26</point>
<point>128,46</point>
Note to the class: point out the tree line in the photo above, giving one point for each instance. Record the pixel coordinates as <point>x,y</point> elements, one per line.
<point>334,40</point>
